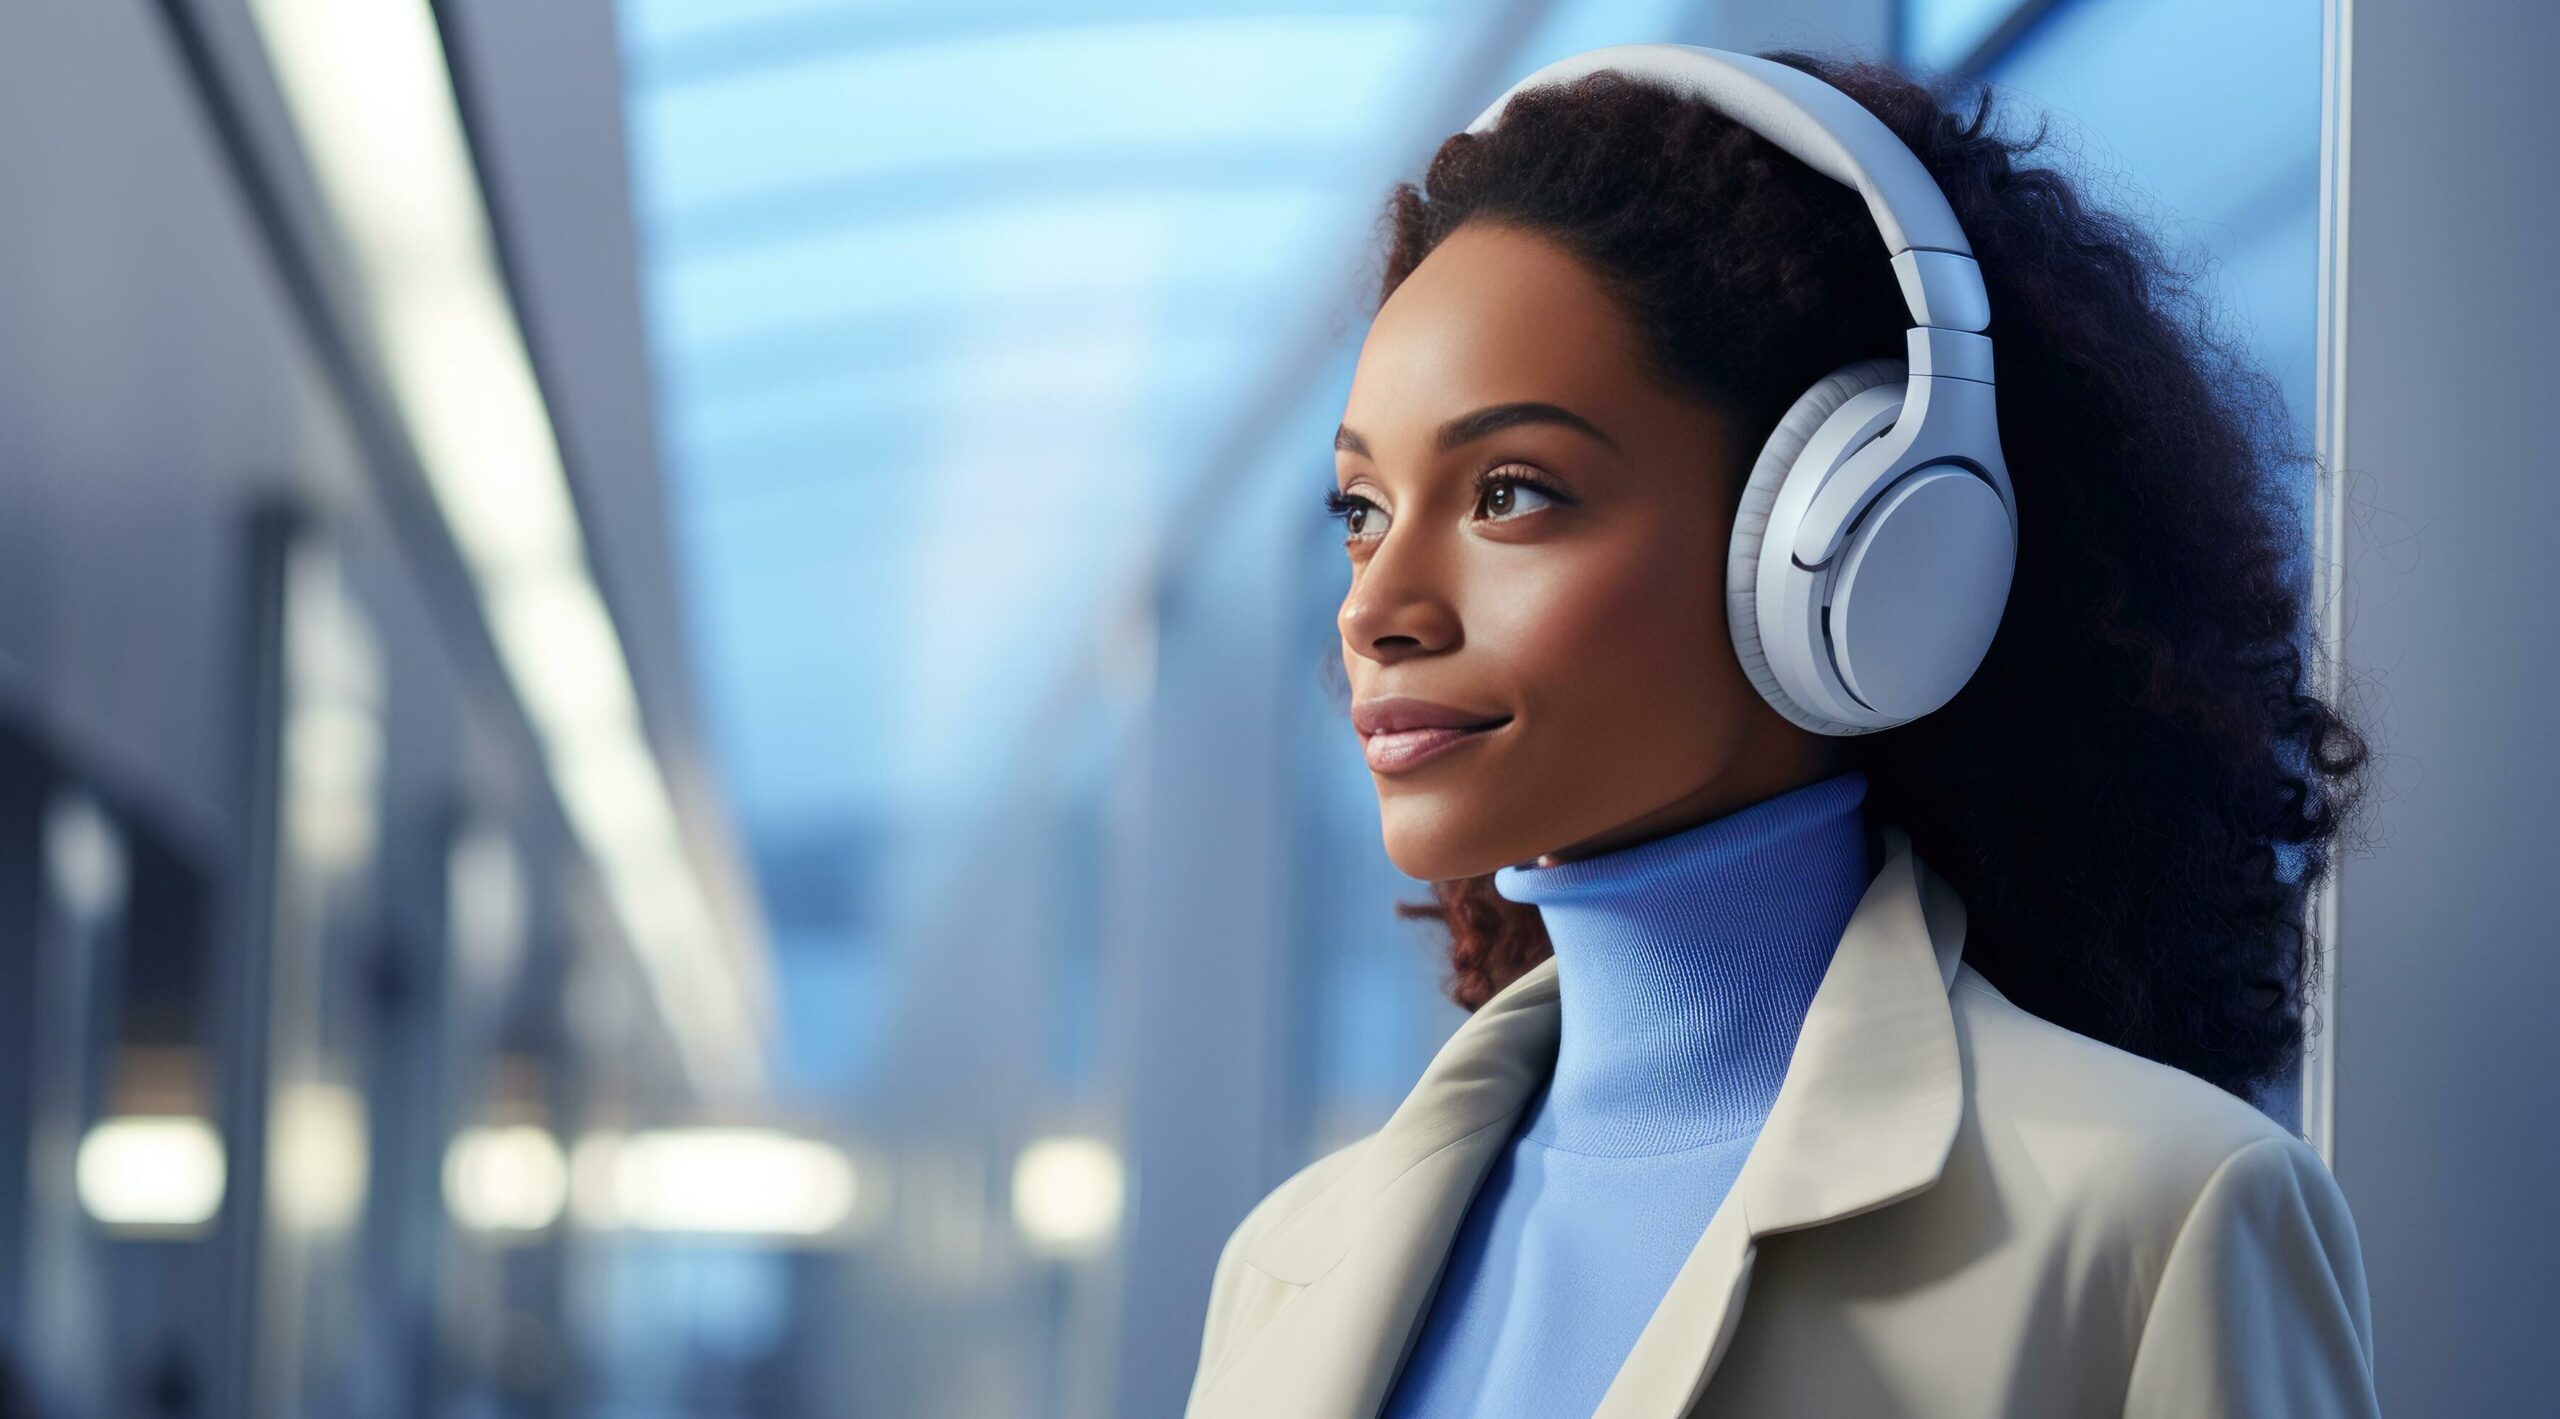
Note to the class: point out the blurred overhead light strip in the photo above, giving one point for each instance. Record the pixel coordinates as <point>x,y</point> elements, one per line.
<point>373,103</point>
<point>150,1173</point>
<point>710,1181</point>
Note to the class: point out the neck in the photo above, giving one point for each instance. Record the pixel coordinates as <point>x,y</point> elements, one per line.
<point>1685,965</point>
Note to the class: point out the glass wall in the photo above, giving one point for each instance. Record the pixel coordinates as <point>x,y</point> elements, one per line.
<point>2203,118</point>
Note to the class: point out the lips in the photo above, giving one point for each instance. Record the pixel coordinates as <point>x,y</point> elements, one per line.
<point>1400,732</point>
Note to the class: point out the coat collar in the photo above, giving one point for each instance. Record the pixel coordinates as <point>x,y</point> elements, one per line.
<point>1866,1116</point>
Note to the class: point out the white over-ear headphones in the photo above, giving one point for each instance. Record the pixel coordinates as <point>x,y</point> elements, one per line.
<point>1881,500</point>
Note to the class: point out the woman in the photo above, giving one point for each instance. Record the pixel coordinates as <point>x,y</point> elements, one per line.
<point>1876,1044</point>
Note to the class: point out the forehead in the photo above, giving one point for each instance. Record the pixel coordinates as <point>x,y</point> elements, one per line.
<point>1493,314</point>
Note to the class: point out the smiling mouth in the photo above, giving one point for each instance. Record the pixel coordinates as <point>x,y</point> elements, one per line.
<point>1395,751</point>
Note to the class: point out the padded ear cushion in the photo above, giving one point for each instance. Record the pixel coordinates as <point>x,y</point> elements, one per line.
<point>1751,525</point>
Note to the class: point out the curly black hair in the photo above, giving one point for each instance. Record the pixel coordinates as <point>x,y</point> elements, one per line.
<point>2110,791</point>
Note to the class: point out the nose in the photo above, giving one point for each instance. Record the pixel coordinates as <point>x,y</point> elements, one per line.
<point>1397,608</point>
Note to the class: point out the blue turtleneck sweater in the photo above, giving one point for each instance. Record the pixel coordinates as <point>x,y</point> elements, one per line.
<point>1684,967</point>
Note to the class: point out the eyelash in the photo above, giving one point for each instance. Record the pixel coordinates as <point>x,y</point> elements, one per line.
<point>1340,505</point>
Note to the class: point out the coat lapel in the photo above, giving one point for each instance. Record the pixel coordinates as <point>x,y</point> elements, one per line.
<point>1867,1112</point>
<point>1368,1249</point>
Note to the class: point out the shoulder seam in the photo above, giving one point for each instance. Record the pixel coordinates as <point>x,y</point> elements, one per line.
<point>2214,1179</point>
<point>2187,1217</point>
<point>1248,1229</point>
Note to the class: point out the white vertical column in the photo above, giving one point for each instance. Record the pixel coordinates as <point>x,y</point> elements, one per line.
<point>2440,429</point>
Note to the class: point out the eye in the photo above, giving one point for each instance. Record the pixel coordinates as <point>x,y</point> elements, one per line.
<point>1502,495</point>
<point>1362,520</point>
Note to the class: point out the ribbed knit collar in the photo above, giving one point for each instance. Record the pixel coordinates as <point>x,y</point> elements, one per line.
<point>1685,965</point>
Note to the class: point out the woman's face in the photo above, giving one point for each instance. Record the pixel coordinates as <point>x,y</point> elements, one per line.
<point>1537,534</point>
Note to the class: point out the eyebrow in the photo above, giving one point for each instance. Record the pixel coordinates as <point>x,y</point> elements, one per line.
<point>1493,419</point>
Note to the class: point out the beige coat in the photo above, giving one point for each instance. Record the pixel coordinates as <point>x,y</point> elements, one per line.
<point>1954,1209</point>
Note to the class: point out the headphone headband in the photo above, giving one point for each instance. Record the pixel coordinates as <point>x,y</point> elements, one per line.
<point>1833,134</point>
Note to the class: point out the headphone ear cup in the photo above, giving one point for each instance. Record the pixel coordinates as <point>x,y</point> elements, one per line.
<point>1769,473</point>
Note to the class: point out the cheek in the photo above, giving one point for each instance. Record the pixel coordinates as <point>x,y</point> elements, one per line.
<point>1611,631</point>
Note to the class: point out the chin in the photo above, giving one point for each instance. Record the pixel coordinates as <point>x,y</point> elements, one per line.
<point>1435,841</point>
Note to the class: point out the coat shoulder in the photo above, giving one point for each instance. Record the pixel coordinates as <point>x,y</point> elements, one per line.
<point>2239,1281</point>
<point>1242,1297</point>
<point>2087,1112</point>
<point>2109,1235</point>
<point>1294,1192</point>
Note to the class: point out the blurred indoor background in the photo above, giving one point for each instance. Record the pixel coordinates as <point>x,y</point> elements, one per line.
<point>661,740</point>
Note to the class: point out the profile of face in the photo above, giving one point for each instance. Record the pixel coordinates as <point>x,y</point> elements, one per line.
<point>1535,628</point>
